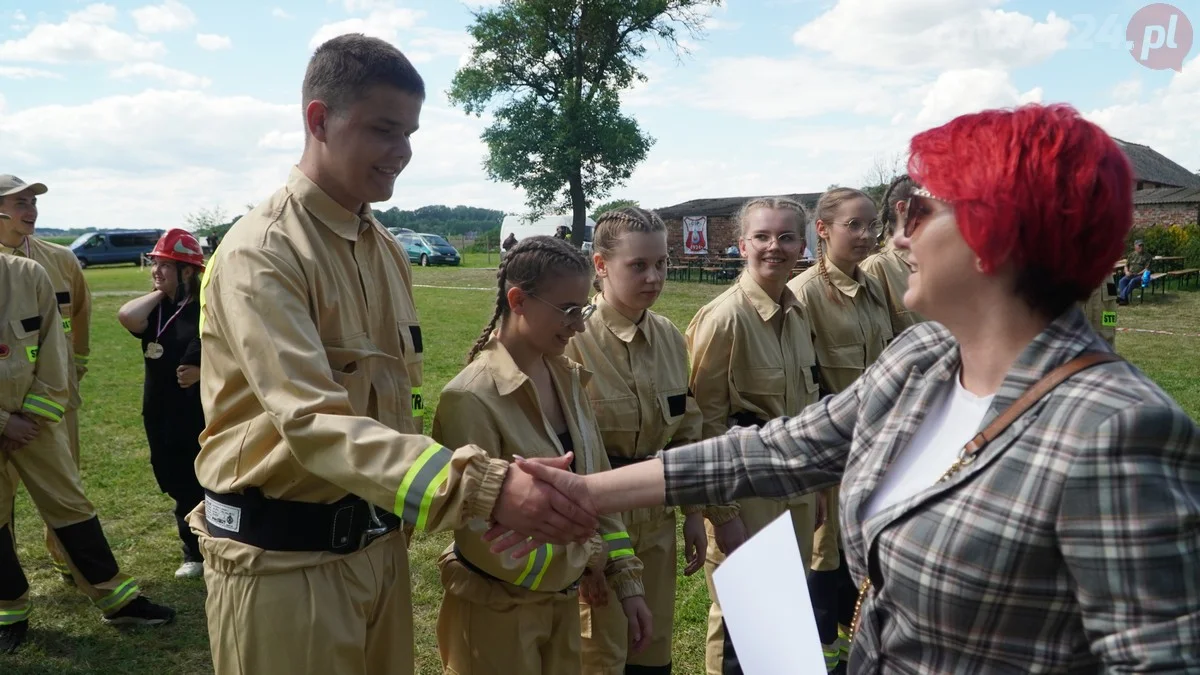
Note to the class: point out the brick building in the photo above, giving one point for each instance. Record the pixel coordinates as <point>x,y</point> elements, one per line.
<point>720,212</point>
<point>1165,193</point>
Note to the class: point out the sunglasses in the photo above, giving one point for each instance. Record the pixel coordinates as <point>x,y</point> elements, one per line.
<point>918,209</point>
<point>571,315</point>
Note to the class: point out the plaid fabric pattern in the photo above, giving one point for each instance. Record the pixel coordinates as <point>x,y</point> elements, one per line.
<point>1071,543</point>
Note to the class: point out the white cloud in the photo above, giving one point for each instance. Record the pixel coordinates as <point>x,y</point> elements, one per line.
<point>19,16</point>
<point>213,42</point>
<point>157,71</point>
<point>933,34</point>
<point>84,36</point>
<point>281,13</point>
<point>172,15</point>
<point>384,22</point>
<point>19,73</point>
<point>431,43</point>
<point>956,92</point>
<point>1127,91</point>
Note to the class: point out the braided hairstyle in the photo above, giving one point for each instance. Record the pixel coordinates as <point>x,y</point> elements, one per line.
<point>526,266</point>
<point>900,189</point>
<point>775,204</point>
<point>827,207</point>
<point>614,224</point>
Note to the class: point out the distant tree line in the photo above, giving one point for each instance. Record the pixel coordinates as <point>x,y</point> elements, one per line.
<point>443,220</point>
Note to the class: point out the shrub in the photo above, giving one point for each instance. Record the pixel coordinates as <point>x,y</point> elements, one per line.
<point>1169,240</point>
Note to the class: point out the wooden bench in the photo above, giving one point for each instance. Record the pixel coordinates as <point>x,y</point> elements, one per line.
<point>1158,279</point>
<point>1183,277</point>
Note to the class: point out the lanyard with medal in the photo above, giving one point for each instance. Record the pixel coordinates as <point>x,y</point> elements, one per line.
<point>155,350</point>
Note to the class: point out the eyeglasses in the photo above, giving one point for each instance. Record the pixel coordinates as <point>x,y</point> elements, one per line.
<point>761,241</point>
<point>857,227</point>
<point>918,209</point>
<point>571,315</point>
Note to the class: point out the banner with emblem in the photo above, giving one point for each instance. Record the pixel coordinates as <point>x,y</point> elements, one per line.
<point>695,235</point>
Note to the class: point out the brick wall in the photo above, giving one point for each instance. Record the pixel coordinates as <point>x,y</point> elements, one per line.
<point>721,234</point>
<point>1164,214</point>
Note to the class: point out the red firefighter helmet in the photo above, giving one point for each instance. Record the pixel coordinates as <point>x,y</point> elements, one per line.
<point>180,246</point>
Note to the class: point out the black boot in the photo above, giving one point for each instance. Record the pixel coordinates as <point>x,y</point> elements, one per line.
<point>12,635</point>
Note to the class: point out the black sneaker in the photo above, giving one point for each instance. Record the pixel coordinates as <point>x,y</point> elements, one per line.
<point>12,635</point>
<point>140,612</point>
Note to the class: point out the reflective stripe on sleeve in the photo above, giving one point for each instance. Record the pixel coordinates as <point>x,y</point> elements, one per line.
<point>424,478</point>
<point>44,407</point>
<point>619,544</point>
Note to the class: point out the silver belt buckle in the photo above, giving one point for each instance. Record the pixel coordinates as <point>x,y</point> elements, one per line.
<point>372,533</point>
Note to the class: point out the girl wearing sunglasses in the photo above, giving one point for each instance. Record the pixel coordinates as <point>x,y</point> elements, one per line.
<point>851,325</point>
<point>519,396</point>
<point>752,361</point>
<point>890,265</point>
<point>640,395</point>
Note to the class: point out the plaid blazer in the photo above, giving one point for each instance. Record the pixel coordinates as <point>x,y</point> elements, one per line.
<point>1070,544</point>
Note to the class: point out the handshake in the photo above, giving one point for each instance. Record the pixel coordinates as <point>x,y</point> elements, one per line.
<point>542,502</point>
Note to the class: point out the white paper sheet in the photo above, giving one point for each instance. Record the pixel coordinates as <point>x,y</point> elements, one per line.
<point>764,595</point>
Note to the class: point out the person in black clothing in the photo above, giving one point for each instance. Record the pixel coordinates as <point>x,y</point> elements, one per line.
<point>166,320</point>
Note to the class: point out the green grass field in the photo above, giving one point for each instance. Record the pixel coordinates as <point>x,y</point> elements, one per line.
<point>67,636</point>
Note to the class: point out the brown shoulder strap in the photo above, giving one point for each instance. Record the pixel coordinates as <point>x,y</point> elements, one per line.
<point>1035,393</point>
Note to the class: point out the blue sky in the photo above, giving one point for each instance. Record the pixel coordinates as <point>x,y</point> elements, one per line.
<point>138,113</point>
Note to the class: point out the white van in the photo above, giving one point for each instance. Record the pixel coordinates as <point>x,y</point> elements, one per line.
<point>546,225</point>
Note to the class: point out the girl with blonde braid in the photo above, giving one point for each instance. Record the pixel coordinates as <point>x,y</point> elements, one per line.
<point>642,403</point>
<point>851,325</point>
<point>519,396</point>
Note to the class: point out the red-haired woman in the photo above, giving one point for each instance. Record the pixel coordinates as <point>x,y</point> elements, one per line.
<point>1064,537</point>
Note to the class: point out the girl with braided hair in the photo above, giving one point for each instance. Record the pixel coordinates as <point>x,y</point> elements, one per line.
<point>890,265</point>
<point>640,396</point>
<point>851,325</point>
<point>753,361</point>
<point>520,397</point>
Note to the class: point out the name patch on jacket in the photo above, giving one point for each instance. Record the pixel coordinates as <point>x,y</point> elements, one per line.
<point>31,324</point>
<point>64,298</point>
<point>677,404</point>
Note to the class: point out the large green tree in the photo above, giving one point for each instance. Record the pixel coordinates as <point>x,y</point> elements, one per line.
<point>554,71</point>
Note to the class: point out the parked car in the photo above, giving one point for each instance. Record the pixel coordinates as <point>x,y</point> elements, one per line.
<point>110,247</point>
<point>429,249</point>
<point>397,231</point>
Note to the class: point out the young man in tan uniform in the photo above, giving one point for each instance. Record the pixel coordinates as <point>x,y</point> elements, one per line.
<point>19,200</point>
<point>34,393</point>
<point>313,461</point>
<point>753,361</point>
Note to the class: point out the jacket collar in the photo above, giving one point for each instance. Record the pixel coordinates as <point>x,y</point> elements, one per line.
<point>324,209</point>
<point>763,303</point>
<point>510,378</point>
<point>618,324</point>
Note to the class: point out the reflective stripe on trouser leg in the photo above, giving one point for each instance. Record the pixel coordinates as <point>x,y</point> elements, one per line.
<point>421,483</point>
<point>14,588</point>
<point>92,564</point>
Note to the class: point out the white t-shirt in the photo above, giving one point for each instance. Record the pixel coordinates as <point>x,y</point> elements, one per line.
<point>952,421</point>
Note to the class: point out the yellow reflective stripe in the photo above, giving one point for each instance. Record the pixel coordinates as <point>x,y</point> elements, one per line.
<point>422,481</point>
<point>204,278</point>
<point>11,616</point>
<point>80,359</point>
<point>45,407</point>
<point>529,560</point>
<point>122,593</point>
<point>545,566</point>
<point>619,544</point>
<point>66,324</point>
<point>418,403</point>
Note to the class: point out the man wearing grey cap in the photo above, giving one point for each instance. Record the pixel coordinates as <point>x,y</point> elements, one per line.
<point>1135,265</point>
<point>19,200</point>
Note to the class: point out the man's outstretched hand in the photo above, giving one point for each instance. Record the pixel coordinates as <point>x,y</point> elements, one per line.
<point>533,510</point>
<point>566,507</point>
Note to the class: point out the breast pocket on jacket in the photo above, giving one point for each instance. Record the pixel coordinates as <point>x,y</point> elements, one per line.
<point>617,414</point>
<point>350,366</point>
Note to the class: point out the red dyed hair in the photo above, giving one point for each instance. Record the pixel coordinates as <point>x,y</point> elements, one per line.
<point>1037,185</point>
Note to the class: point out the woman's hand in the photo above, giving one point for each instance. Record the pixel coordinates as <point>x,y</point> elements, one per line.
<point>641,623</point>
<point>187,375</point>
<point>695,543</point>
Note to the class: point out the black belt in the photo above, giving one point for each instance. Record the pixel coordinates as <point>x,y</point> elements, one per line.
<point>491,577</point>
<point>618,462</point>
<point>343,527</point>
<point>748,419</point>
